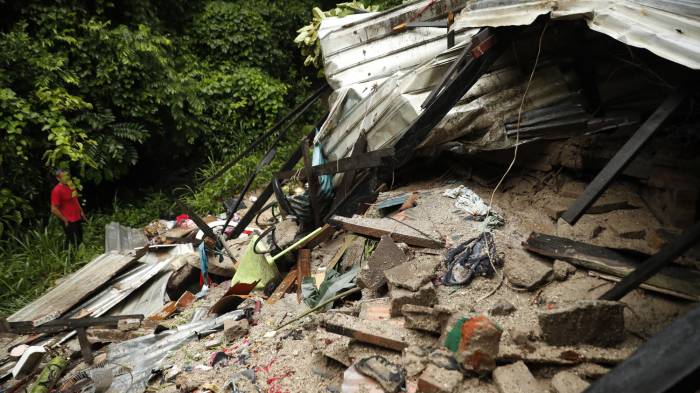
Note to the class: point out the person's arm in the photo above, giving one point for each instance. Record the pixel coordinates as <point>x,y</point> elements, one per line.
<point>57,213</point>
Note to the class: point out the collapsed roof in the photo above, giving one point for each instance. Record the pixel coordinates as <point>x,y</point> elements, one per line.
<point>383,66</point>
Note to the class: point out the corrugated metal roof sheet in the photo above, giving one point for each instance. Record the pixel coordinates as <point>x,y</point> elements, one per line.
<point>73,289</point>
<point>670,29</point>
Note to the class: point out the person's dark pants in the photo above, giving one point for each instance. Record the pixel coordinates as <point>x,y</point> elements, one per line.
<point>74,233</point>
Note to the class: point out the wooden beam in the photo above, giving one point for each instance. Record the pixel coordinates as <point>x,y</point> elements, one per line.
<point>376,228</point>
<point>620,160</point>
<point>378,333</point>
<point>655,263</point>
<point>608,261</point>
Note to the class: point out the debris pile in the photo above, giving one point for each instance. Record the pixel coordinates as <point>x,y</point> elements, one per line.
<point>366,270</point>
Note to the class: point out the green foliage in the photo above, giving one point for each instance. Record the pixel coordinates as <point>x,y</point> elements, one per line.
<point>308,40</point>
<point>34,259</point>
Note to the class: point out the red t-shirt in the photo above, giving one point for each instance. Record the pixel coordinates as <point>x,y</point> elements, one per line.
<point>62,197</point>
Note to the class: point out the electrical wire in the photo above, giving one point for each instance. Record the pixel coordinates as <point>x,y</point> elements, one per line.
<point>515,156</point>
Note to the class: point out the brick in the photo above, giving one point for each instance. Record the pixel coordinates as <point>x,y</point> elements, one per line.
<point>425,296</point>
<point>413,274</point>
<point>475,342</point>
<point>595,322</point>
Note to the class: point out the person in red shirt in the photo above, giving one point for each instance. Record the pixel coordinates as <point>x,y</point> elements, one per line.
<point>65,206</point>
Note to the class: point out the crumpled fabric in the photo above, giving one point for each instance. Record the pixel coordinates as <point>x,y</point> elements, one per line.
<point>468,201</point>
<point>476,256</point>
<point>474,206</point>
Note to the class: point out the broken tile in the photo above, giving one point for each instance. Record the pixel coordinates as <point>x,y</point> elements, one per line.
<point>385,256</point>
<point>413,274</point>
<point>439,380</point>
<point>594,322</point>
<point>425,296</point>
<point>567,382</point>
<point>515,378</point>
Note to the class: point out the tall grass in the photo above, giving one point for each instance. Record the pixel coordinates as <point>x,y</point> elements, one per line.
<point>32,260</point>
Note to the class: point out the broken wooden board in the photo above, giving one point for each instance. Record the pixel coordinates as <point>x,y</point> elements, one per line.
<point>284,286</point>
<point>399,231</point>
<point>380,333</point>
<point>670,280</point>
<point>542,354</point>
<point>303,269</point>
<point>73,289</point>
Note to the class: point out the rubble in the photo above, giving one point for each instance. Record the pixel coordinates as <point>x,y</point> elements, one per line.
<point>567,382</point>
<point>561,270</point>
<point>515,378</point>
<point>475,342</point>
<point>424,296</point>
<point>340,300</point>
<point>526,271</point>
<point>412,275</point>
<point>502,307</point>
<point>595,322</point>
<point>439,380</point>
<point>384,257</point>
<point>234,329</point>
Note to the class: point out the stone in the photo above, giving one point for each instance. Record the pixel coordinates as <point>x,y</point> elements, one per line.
<point>526,271</point>
<point>128,324</point>
<point>385,256</point>
<point>413,274</point>
<point>561,270</point>
<point>502,307</point>
<point>212,343</point>
<point>475,342</point>
<point>595,322</point>
<point>428,319</point>
<point>414,359</point>
<point>425,296</point>
<point>439,380</point>
<point>515,378</point>
<point>235,329</point>
<point>568,382</point>
<point>521,336</point>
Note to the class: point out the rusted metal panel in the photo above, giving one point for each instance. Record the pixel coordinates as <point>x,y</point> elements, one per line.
<point>73,289</point>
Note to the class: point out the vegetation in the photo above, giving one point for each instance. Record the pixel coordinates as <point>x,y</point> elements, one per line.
<point>109,89</point>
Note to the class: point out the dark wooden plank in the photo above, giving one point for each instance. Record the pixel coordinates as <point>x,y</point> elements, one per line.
<point>655,263</point>
<point>661,363</point>
<point>348,178</point>
<point>620,160</point>
<point>376,228</point>
<point>283,287</point>
<point>378,333</point>
<point>611,262</point>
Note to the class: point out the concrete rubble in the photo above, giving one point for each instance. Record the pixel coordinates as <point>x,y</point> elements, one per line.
<point>356,291</point>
